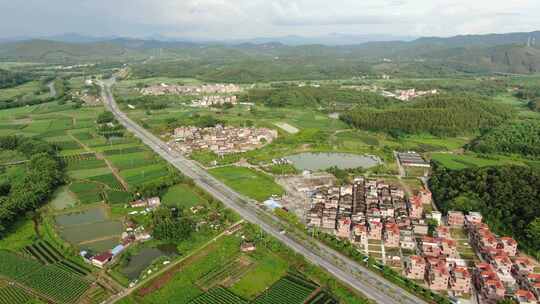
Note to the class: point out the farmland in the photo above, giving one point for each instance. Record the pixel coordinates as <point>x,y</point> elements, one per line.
<point>249,182</point>
<point>49,280</point>
<point>10,294</point>
<point>469,160</point>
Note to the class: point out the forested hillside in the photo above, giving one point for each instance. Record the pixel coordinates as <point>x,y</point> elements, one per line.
<point>507,196</point>
<point>438,115</point>
<point>521,137</point>
<point>25,187</point>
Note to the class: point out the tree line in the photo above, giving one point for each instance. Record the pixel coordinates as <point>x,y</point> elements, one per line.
<point>326,96</point>
<point>507,196</point>
<point>25,190</point>
<point>442,115</point>
<point>10,79</point>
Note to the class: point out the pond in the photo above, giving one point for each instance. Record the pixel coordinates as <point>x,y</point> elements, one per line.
<point>144,258</point>
<point>322,161</point>
<point>88,216</point>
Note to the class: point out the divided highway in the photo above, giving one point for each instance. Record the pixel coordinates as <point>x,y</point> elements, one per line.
<point>358,277</point>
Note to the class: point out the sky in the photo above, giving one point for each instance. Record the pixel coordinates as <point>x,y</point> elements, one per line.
<point>238,19</point>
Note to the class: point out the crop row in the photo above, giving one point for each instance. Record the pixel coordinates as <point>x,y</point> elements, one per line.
<point>13,295</point>
<point>79,157</point>
<point>44,252</point>
<point>218,295</point>
<point>322,298</point>
<point>57,283</point>
<point>14,266</point>
<point>286,290</point>
<point>232,269</point>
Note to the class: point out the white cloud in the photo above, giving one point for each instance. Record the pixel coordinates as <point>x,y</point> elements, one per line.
<point>249,18</point>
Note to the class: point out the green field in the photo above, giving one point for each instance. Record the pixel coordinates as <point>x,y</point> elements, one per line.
<point>181,196</point>
<point>250,183</point>
<point>268,269</point>
<point>470,160</point>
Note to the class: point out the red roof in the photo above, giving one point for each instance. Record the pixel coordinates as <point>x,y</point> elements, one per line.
<point>525,294</point>
<point>103,257</point>
<point>508,240</point>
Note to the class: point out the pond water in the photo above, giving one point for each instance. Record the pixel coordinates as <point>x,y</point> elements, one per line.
<point>144,258</point>
<point>90,229</point>
<point>321,161</point>
<point>88,216</point>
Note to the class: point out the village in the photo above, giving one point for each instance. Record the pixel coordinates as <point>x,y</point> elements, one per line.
<point>456,255</point>
<point>221,140</point>
<point>402,95</point>
<point>163,89</point>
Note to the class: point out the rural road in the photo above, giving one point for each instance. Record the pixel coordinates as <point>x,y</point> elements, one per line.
<point>52,89</point>
<point>358,277</point>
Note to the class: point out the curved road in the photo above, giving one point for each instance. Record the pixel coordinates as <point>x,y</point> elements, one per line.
<point>52,89</point>
<point>358,277</point>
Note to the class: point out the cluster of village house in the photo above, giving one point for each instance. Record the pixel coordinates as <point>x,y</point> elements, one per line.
<point>221,140</point>
<point>406,95</point>
<point>214,100</point>
<point>163,89</point>
<point>132,234</point>
<point>371,210</point>
<point>403,95</point>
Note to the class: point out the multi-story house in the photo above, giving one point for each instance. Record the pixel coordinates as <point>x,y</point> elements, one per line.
<point>524,296</point>
<point>449,248</point>
<point>415,267</point>
<point>416,208</point>
<point>438,276</point>
<point>375,228</point>
<point>488,284</point>
<point>391,235</point>
<point>521,269</point>
<point>344,228</point>
<point>460,280</point>
<point>406,240</point>
<point>456,219</point>
<point>509,245</point>
<point>443,232</point>
<point>430,247</point>
<point>360,235</point>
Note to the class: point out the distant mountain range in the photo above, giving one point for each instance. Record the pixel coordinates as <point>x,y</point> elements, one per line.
<point>292,40</point>
<point>509,53</point>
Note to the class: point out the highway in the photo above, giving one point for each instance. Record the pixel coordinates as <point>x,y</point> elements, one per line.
<point>351,273</point>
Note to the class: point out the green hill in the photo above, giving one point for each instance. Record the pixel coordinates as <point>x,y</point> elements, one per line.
<point>53,51</point>
<point>438,115</point>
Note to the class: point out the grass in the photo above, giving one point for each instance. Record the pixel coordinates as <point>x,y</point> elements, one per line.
<point>21,234</point>
<point>472,160</point>
<point>138,176</point>
<point>86,173</point>
<point>253,184</point>
<point>62,199</point>
<point>181,196</point>
<point>268,270</point>
<point>24,89</point>
<point>181,287</point>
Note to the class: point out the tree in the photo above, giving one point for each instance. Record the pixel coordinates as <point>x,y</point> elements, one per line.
<point>466,202</point>
<point>533,232</point>
<point>171,225</point>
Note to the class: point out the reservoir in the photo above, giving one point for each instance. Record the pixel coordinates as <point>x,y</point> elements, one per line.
<point>322,161</point>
